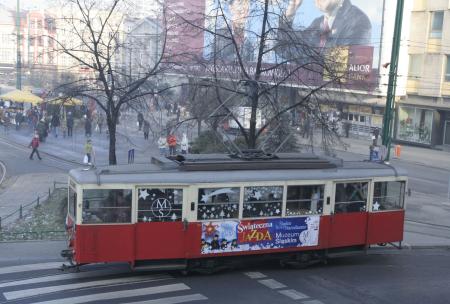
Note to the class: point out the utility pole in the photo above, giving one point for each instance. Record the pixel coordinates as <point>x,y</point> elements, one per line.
<point>19,57</point>
<point>390,98</point>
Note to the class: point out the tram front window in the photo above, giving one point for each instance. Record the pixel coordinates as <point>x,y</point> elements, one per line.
<point>351,197</point>
<point>388,196</point>
<point>302,200</point>
<point>106,206</point>
<point>262,201</point>
<point>218,203</point>
<point>160,205</point>
<point>72,203</point>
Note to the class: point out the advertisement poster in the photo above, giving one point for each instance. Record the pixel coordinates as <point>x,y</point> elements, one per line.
<point>301,33</point>
<point>253,235</point>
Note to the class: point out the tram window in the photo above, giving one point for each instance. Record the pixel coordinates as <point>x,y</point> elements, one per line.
<point>218,203</point>
<point>72,203</point>
<point>262,201</point>
<point>106,206</point>
<point>388,196</point>
<point>351,197</point>
<point>160,205</point>
<point>304,200</point>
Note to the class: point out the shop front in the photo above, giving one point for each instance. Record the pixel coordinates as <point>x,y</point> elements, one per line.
<point>415,125</point>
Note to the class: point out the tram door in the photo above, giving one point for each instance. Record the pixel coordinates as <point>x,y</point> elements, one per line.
<point>349,221</point>
<point>160,231</point>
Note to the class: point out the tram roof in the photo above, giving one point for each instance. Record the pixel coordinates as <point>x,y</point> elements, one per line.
<point>214,168</point>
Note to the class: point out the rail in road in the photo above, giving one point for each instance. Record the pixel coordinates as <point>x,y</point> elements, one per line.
<point>2,172</point>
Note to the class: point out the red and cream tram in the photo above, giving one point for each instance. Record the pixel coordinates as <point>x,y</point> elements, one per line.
<point>202,211</point>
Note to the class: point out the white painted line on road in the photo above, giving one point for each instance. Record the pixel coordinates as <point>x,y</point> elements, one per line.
<point>293,294</point>
<point>24,293</point>
<point>3,170</point>
<point>432,182</point>
<point>174,300</point>
<point>272,284</point>
<point>29,267</point>
<point>119,294</point>
<point>312,302</point>
<point>60,277</point>
<point>255,275</point>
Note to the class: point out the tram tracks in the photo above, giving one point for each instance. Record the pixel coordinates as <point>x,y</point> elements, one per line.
<point>48,157</point>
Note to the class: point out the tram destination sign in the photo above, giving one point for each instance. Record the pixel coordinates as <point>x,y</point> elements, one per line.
<point>253,235</point>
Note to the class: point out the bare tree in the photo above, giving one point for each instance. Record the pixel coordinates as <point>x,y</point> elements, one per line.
<point>101,45</point>
<point>252,66</point>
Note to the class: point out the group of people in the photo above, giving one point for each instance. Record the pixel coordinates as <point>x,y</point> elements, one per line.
<point>170,143</point>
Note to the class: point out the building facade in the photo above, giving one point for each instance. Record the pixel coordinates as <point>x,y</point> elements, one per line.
<point>423,116</point>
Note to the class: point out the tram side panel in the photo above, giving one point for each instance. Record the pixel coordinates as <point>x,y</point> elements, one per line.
<point>104,243</point>
<point>385,227</point>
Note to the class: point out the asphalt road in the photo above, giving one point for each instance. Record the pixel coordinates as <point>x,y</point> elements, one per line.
<point>389,276</point>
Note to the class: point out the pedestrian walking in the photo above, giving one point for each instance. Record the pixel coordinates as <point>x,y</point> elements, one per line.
<point>41,130</point>
<point>172,142</point>
<point>100,122</point>
<point>69,124</point>
<point>162,144</point>
<point>89,152</point>
<point>184,144</point>
<point>35,145</point>
<point>55,122</point>
<point>146,129</point>
<point>140,120</point>
<point>88,127</point>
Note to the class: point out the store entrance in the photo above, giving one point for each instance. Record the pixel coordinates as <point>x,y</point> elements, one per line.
<point>447,133</point>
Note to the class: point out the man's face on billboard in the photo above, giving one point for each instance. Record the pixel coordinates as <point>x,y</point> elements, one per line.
<point>327,6</point>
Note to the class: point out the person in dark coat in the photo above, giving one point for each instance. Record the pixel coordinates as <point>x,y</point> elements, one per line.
<point>55,124</point>
<point>69,124</point>
<point>140,119</point>
<point>342,24</point>
<point>146,129</point>
<point>88,127</point>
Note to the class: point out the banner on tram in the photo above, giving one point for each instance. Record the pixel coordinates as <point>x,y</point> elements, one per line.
<point>252,235</point>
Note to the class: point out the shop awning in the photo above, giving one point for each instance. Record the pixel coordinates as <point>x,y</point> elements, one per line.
<point>22,97</point>
<point>67,101</point>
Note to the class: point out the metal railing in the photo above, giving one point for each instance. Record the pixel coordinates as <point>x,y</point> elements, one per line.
<point>23,208</point>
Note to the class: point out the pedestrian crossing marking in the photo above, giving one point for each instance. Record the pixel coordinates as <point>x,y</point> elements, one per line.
<point>24,293</point>
<point>272,284</point>
<point>61,277</point>
<point>174,300</point>
<point>293,294</point>
<point>255,275</point>
<point>119,294</point>
<point>29,267</point>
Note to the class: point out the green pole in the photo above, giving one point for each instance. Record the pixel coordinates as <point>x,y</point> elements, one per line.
<point>19,57</point>
<point>390,98</point>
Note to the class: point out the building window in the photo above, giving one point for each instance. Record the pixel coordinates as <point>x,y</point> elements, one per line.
<point>303,200</point>
<point>415,125</point>
<point>415,65</point>
<point>351,197</point>
<point>447,69</point>
<point>262,201</point>
<point>218,203</point>
<point>106,206</point>
<point>388,196</point>
<point>437,21</point>
<point>160,205</point>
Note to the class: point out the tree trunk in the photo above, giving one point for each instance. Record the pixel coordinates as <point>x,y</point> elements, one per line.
<point>199,126</point>
<point>254,102</point>
<point>112,142</point>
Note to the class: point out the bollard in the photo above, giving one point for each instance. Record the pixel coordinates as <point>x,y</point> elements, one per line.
<point>37,204</point>
<point>0,223</point>
<point>49,192</point>
<point>20,212</point>
<point>397,150</point>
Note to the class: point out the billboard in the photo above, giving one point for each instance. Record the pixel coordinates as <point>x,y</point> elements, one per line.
<point>254,235</point>
<point>300,33</point>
